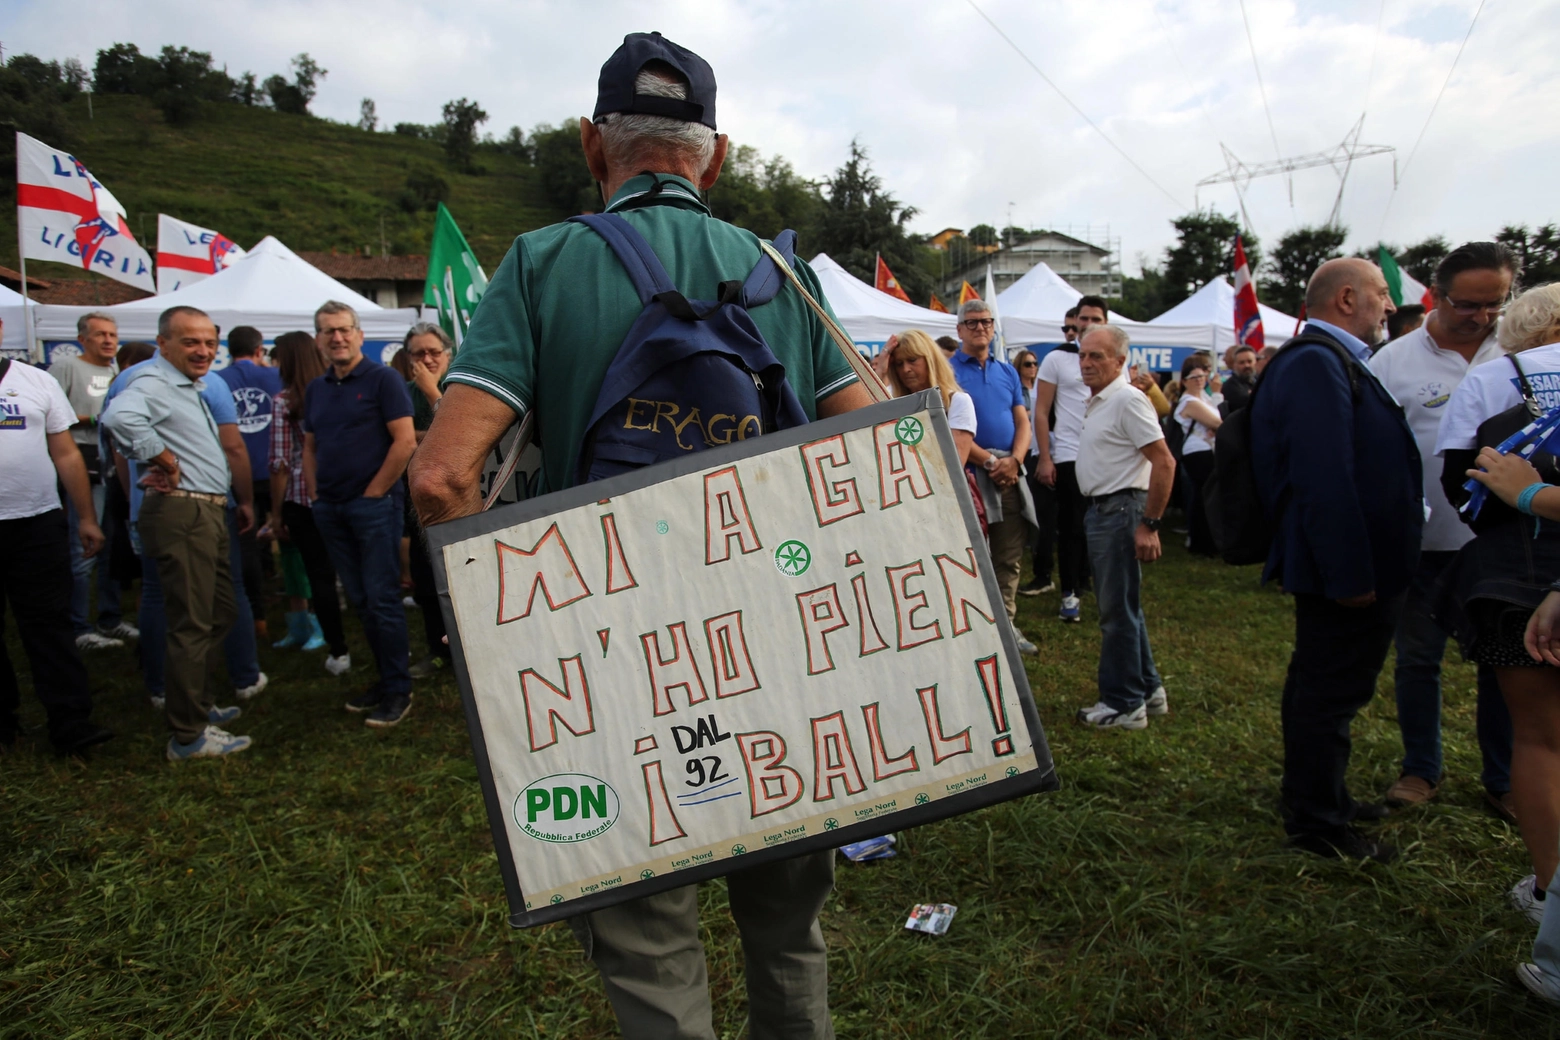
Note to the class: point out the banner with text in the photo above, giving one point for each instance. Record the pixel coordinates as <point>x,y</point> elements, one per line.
<point>761,650</point>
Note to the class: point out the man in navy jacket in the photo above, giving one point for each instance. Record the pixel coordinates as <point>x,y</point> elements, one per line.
<point>1339,474</point>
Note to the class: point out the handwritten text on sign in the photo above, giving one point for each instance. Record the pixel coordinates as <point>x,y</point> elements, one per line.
<point>733,659</point>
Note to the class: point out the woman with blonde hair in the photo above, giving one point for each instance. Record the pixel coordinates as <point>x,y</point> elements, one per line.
<point>1501,594</point>
<point>915,364</point>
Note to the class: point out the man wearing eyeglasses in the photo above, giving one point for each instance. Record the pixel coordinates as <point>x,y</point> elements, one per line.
<point>357,439</point>
<point>1002,437</point>
<point>1422,368</point>
<point>1061,384</point>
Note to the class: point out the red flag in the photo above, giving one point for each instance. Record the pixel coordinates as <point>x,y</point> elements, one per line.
<point>967,293</point>
<point>937,305</point>
<point>886,282</point>
<point>1248,319</point>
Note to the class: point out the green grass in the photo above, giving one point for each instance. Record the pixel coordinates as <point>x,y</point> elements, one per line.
<point>337,883</point>
<point>316,185</point>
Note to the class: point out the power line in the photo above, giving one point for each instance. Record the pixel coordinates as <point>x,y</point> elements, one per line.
<point>1083,115</point>
<point>1434,105</point>
<point>1262,89</point>
<point>1375,45</point>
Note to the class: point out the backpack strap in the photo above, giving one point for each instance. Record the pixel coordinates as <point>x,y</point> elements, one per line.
<point>1350,364</point>
<point>638,259</point>
<point>1529,398</point>
<point>766,280</point>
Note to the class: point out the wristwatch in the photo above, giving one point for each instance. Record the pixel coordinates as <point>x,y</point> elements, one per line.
<point>1153,522</point>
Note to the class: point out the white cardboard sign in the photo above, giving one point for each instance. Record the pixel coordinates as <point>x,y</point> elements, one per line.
<point>758,651</point>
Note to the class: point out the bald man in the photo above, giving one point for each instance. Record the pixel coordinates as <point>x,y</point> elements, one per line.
<point>1339,474</point>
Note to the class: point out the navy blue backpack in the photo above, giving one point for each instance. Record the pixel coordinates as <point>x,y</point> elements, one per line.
<point>690,374</point>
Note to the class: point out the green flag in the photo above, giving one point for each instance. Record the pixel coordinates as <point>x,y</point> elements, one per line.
<point>455,280</point>
<point>1392,273</point>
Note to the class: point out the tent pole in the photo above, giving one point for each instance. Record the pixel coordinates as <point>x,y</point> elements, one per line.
<point>27,317</point>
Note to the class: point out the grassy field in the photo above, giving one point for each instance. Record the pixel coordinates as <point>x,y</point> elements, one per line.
<point>338,883</point>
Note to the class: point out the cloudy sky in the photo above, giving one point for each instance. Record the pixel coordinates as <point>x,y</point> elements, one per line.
<point>957,123</point>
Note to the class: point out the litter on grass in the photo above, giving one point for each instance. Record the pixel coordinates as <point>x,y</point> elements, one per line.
<point>931,918</point>
<point>869,849</point>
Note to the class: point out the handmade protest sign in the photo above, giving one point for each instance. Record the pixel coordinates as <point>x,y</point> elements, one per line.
<point>785,644</point>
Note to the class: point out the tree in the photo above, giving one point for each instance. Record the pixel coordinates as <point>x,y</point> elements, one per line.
<point>31,100</point>
<point>368,119</point>
<point>1539,250</point>
<point>295,97</point>
<point>983,235</point>
<point>1299,253</point>
<point>859,221</point>
<point>461,119</point>
<point>1204,250</point>
<point>766,197</point>
<point>74,75</point>
<point>184,80</point>
<point>1422,259</point>
<point>1142,298</point>
<point>424,191</point>
<point>560,165</point>
<point>245,90</point>
<point>123,69</point>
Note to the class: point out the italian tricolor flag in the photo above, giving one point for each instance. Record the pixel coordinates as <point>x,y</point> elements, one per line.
<point>1402,285</point>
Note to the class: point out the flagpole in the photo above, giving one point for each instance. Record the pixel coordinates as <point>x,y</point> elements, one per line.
<point>27,319</point>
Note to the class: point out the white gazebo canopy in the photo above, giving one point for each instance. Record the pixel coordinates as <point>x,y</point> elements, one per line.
<point>871,316</point>
<point>1214,304</point>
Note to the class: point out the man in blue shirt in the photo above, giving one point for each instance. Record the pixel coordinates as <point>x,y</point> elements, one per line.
<point>1338,471</point>
<point>357,439</point>
<point>1002,437</point>
<point>160,418</point>
<point>254,386</point>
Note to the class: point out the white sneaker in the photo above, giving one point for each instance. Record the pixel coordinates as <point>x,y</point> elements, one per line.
<point>252,691</point>
<point>123,630</point>
<point>1158,703</point>
<point>408,602</point>
<point>1522,899</point>
<point>1103,716</point>
<point>212,743</point>
<point>97,641</point>
<point>1540,982</point>
<point>338,665</point>
<point>1072,609</point>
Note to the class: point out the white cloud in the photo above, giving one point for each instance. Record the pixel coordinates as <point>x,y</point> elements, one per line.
<point>956,123</point>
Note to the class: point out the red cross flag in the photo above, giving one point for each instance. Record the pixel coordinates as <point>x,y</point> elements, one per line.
<point>67,216</point>
<point>1248,319</point>
<point>186,253</point>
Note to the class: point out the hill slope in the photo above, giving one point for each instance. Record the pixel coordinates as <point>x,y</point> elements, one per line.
<point>316,185</point>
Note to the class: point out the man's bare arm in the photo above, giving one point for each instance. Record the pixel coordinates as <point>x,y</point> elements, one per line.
<point>446,472</point>
<point>845,400</point>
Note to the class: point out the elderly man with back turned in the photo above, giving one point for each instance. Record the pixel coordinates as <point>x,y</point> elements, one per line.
<point>554,316</point>
<point>160,418</point>
<point>1125,472</point>
<point>1339,475</point>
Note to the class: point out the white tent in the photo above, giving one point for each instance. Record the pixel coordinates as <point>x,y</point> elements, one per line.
<point>271,288</point>
<point>1214,304</point>
<point>871,316</point>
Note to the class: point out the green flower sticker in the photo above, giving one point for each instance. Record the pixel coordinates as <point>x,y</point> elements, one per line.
<point>922,798</point>
<point>793,558</point>
<point>830,824</point>
<point>909,431</point>
<point>661,527</point>
<point>737,850</point>
<point>1012,770</point>
<point>646,874</point>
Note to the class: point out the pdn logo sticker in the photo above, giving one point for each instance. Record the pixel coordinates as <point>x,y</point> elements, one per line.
<point>566,807</point>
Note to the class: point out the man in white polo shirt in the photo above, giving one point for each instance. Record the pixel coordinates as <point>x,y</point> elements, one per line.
<point>1421,369</point>
<point>37,456</point>
<point>1125,472</point>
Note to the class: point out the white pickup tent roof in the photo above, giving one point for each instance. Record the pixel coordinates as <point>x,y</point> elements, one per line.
<point>1214,304</point>
<point>271,288</point>
<point>871,316</point>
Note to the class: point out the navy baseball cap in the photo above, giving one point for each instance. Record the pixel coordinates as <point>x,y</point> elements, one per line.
<point>615,89</point>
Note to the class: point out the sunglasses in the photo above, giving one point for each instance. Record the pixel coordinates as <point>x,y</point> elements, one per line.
<point>978,323</point>
<point>1029,364</point>
<point>1069,328</point>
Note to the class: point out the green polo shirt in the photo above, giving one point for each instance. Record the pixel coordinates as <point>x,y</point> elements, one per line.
<point>560,304</point>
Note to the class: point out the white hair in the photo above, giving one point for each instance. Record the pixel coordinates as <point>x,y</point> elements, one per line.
<point>1118,337</point>
<point>84,323</point>
<point>969,307</point>
<point>1532,320</point>
<point>631,139</point>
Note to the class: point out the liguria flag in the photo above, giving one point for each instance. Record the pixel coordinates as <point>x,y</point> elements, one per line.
<point>886,282</point>
<point>187,254</point>
<point>456,281</point>
<point>65,214</point>
<point>1403,286</point>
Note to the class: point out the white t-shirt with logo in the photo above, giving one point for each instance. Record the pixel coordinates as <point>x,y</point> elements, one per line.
<point>32,406</point>
<point>1492,388</point>
<point>1422,377</point>
<point>1060,368</point>
<point>961,413</point>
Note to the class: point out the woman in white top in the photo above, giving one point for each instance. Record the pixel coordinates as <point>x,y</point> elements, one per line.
<point>915,364</point>
<point>1197,412</point>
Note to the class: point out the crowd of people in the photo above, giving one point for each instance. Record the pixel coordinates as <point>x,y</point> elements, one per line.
<point>1361,456</point>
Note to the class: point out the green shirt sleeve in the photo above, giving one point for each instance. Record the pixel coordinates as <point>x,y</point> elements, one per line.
<point>498,355</point>
<point>831,372</point>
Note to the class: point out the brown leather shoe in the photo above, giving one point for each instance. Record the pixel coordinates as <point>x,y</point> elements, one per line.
<point>1410,790</point>
<point>1502,806</point>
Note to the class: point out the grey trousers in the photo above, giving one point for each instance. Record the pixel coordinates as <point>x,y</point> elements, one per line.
<point>652,962</point>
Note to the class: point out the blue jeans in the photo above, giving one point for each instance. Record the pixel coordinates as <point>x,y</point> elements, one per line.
<point>1420,646</point>
<point>1127,673</point>
<point>363,537</point>
<point>81,568</point>
<point>238,648</point>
